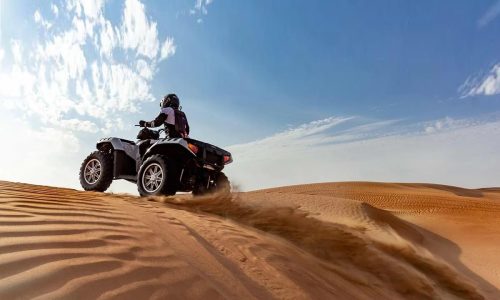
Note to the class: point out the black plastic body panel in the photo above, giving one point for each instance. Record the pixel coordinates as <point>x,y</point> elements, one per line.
<point>209,154</point>
<point>124,165</point>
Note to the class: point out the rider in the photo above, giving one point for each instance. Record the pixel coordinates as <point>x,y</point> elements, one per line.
<point>175,121</point>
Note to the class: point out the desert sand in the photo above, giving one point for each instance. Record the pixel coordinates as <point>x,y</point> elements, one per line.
<point>351,240</point>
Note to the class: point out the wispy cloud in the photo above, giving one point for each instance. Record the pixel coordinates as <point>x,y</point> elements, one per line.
<point>37,16</point>
<point>200,8</point>
<point>460,152</point>
<point>486,85</point>
<point>492,13</point>
<point>137,31</point>
<point>167,49</point>
<point>55,9</point>
<point>447,124</point>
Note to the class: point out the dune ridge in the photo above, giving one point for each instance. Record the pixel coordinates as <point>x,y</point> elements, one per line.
<point>338,240</point>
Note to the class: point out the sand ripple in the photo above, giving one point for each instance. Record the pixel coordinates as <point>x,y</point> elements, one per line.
<point>343,242</point>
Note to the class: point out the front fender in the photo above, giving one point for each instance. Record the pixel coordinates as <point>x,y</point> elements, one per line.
<point>114,143</point>
<point>117,144</point>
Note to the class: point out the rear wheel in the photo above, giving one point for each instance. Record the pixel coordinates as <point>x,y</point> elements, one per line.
<point>219,185</point>
<point>157,177</point>
<point>96,172</point>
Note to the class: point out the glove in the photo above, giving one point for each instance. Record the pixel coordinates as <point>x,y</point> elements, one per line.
<point>142,123</point>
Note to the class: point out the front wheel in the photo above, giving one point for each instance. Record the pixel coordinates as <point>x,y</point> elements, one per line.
<point>156,177</point>
<point>96,172</point>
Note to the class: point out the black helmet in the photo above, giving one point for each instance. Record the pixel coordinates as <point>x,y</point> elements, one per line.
<point>170,100</point>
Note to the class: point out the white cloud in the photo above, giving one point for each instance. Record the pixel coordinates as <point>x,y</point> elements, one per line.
<point>74,6</point>
<point>138,32</point>
<point>491,14</point>
<point>64,54</point>
<point>302,136</point>
<point>17,50</point>
<point>114,125</point>
<point>487,85</point>
<point>92,9</point>
<point>55,9</point>
<point>78,125</point>
<point>37,16</point>
<point>457,152</point>
<point>200,8</point>
<point>14,84</point>
<point>116,84</point>
<point>144,69</point>
<point>108,38</point>
<point>38,155</point>
<point>448,124</point>
<point>168,49</point>
<point>71,74</point>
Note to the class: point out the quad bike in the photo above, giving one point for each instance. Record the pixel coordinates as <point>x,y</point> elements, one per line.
<point>159,166</point>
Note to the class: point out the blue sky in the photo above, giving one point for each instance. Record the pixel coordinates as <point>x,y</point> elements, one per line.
<point>290,64</point>
<point>256,74</point>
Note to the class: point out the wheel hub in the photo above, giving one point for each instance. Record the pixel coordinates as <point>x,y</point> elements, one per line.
<point>92,171</point>
<point>152,178</point>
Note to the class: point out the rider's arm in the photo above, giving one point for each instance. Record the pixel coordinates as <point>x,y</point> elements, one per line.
<point>158,121</point>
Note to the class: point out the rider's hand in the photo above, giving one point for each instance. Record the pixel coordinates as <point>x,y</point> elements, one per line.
<point>142,123</point>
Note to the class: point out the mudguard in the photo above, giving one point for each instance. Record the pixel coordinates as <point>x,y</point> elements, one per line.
<point>129,147</point>
<point>126,157</point>
<point>173,147</point>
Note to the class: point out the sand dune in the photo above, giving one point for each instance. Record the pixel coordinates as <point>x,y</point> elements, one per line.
<point>350,240</point>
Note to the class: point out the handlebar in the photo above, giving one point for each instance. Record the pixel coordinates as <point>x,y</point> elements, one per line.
<point>159,130</point>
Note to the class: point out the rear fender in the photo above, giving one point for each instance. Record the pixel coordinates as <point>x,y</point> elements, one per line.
<point>176,149</point>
